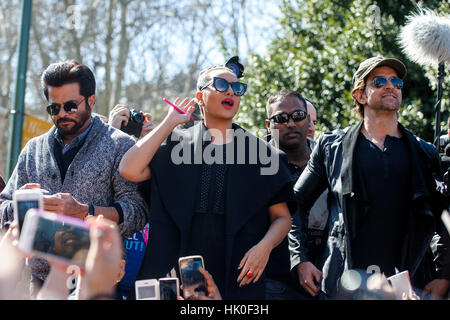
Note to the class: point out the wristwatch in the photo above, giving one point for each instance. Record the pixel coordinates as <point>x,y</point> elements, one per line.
<point>91,210</point>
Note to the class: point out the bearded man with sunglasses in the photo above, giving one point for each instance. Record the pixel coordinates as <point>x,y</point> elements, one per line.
<point>76,161</point>
<point>384,207</point>
<point>289,125</point>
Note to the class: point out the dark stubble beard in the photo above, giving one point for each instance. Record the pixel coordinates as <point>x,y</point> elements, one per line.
<point>78,124</point>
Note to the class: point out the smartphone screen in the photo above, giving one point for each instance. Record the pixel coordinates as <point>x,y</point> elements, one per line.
<point>61,239</point>
<point>146,292</point>
<point>193,281</point>
<point>168,289</point>
<point>23,206</point>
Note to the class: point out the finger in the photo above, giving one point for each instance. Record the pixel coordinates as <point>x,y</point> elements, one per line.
<point>310,284</point>
<point>118,106</point>
<point>64,195</point>
<point>5,237</point>
<point>52,207</point>
<point>184,103</point>
<point>307,288</point>
<point>177,100</point>
<point>318,276</point>
<point>30,186</point>
<point>257,276</point>
<point>249,275</point>
<point>241,264</point>
<point>208,278</point>
<point>190,108</point>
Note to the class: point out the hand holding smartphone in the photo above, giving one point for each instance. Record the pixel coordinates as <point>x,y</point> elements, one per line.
<point>61,238</point>
<point>192,280</point>
<point>25,199</point>
<point>401,283</point>
<point>169,288</point>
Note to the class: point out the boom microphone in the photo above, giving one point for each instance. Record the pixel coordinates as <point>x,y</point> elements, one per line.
<point>425,38</point>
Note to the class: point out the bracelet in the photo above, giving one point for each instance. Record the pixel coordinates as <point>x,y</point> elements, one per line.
<point>102,296</point>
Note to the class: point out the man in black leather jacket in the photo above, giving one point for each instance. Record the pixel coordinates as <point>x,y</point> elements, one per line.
<point>384,207</point>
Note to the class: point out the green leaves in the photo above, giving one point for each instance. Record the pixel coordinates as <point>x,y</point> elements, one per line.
<point>320,46</point>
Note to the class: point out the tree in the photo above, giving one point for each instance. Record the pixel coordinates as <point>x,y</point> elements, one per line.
<point>320,46</point>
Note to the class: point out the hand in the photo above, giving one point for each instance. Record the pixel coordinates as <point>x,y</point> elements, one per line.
<point>175,118</point>
<point>308,276</point>
<point>254,263</point>
<point>64,203</point>
<point>148,125</point>
<point>211,287</point>
<point>103,263</point>
<point>437,288</point>
<point>119,114</point>
<point>11,266</point>
<point>11,240</point>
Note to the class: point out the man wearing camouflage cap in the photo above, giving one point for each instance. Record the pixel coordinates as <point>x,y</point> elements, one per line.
<point>384,207</point>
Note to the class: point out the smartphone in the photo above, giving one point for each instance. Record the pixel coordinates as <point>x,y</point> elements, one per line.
<point>401,283</point>
<point>192,280</point>
<point>147,289</point>
<point>169,288</point>
<point>23,201</point>
<point>61,238</point>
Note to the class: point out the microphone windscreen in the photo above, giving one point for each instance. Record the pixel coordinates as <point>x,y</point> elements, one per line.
<point>425,38</point>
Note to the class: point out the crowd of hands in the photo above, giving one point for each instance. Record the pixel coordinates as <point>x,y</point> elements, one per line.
<point>97,279</point>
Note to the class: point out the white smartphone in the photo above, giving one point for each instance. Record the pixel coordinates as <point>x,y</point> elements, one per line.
<point>147,289</point>
<point>401,283</point>
<point>61,238</point>
<point>169,288</point>
<point>192,280</point>
<point>23,201</point>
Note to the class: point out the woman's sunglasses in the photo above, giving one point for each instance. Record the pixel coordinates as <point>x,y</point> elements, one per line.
<point>283,117</point>
<point>380,82</point>
<point>69,106</point>
<point>222,85</point>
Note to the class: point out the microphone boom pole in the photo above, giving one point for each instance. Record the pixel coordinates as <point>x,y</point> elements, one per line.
<point>437,131</point>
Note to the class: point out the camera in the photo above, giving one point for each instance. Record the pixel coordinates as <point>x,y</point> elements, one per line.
<point>135,122</point>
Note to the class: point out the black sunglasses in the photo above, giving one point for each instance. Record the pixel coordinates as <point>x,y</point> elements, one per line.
<point>222,85</point>
<point>283,117</point>
<point>69,106</point>
<point>380,82</point>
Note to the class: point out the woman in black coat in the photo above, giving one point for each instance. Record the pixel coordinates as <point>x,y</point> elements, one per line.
<point>216,190</point>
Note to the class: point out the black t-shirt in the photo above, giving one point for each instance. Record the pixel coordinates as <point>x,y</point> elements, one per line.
<point>384,176</point>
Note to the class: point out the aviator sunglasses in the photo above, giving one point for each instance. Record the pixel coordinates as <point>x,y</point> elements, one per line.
<point>380,82</point>
<point>221,85</point>
<point>69,106</point>
<point>283,117</point>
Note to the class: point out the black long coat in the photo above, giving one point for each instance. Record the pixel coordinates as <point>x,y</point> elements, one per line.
<point>173,193</point>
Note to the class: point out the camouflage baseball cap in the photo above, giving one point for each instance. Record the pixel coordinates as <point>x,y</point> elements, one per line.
<point>368,65</point>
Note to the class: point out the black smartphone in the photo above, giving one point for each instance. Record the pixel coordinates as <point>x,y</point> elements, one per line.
<point>169,288</point>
